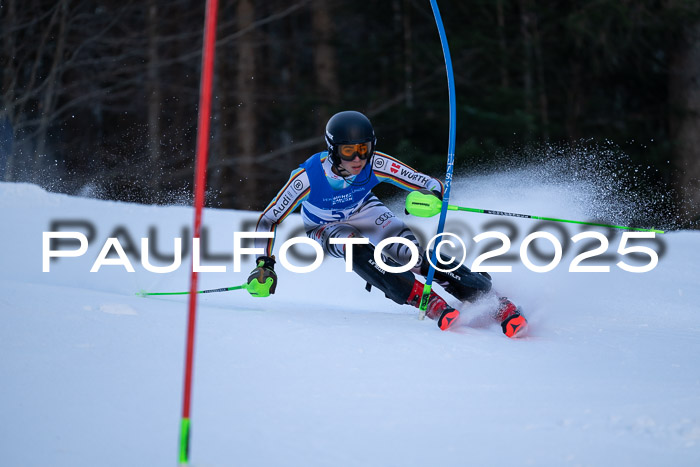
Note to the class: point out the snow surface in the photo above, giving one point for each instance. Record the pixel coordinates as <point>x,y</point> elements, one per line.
<point>324,373</point>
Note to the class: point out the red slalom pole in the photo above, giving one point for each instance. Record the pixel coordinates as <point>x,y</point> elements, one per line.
<point>200,182</point>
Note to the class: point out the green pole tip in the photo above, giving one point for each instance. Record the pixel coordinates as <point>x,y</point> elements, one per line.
<point>184,441</point>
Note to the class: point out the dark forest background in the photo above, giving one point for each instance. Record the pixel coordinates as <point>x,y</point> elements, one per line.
<point>100,97</point>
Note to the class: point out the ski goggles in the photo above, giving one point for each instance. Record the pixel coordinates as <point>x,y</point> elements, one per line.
<point>347,152</point>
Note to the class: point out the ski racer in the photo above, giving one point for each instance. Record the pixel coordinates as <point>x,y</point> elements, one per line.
<point>334,190</point>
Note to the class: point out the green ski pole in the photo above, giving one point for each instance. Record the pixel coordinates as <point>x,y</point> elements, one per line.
<point>426,205</point>
<point>143,293</point>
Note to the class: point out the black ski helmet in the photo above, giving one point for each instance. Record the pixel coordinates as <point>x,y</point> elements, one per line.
<point>349,127</point>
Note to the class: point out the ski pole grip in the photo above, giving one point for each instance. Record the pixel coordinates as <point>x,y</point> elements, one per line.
<point>423,203</point>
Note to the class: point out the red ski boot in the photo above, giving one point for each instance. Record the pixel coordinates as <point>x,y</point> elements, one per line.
<point>438,309</point>
<point>512,322</point>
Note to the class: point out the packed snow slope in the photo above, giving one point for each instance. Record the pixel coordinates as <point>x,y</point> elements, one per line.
<point>324,373</point>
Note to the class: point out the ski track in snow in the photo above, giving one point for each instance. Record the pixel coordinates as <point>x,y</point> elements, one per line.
<point>323,373</point>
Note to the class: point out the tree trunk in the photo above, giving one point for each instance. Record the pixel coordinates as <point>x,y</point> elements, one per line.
<point>527,66</point>
<point>325,67</point>
<point>541,85</point>
<point>684,97</point>
<point>246,122</point>
<point>9,14</point>
<point>154,99</point>
<point>408,56</point>
<point>224,110</point>
<point>49,98</point>
<point>502,45</point>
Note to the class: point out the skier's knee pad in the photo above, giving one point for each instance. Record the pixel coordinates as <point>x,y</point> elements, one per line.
<point>400,252</point>
<point>396,286</point>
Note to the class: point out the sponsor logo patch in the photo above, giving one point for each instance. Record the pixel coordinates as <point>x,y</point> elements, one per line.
<point>383,218</point>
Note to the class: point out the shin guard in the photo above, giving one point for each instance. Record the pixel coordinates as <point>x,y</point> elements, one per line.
<point>396,286</point>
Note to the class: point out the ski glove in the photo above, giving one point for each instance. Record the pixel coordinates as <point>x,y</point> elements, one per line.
<point>262,281</point>
<point>432,194</point>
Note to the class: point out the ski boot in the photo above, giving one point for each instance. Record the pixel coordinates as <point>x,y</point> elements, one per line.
<point>512,321</point>
<point>437,310</point>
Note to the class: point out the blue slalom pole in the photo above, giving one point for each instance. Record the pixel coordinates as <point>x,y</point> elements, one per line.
<point>450,156</point>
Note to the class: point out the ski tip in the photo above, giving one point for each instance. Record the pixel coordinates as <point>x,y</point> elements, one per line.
<point>142,293</point>
<point>448,318</point>
<point>515,326</point>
